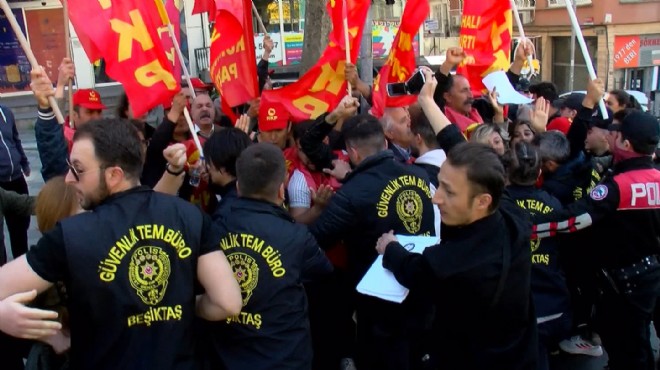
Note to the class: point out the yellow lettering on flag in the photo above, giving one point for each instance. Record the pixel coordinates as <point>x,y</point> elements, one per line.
<point>330,80</point>
<point>405,41</point>
<point>311,105</point>
<point>105,4</point>
<point>150,74</point>
<point>214,35</point>
<point>136,30</point>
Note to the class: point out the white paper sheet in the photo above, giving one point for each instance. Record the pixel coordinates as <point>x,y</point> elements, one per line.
<point>380,283</point>
<point>506,93</point>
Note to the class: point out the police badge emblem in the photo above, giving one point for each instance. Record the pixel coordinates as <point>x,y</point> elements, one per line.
<point>409,207</point>
<point>246,272</point>
<point>149,272</point>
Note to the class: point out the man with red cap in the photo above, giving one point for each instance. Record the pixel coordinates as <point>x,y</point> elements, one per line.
<point>274,125</point>
<point>87,106</point>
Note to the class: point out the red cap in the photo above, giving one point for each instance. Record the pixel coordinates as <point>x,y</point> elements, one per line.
<point>272,116</point>
<point>88,98</point>
<point>561,124</point>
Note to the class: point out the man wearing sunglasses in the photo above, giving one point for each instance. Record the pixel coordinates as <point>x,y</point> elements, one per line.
<point>130,264</point>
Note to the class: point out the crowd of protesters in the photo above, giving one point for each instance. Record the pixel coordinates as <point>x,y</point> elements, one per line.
<point>246,255</point>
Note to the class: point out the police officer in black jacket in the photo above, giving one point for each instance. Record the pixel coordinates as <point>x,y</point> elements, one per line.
<point>378,196</point>
<point>271,257</point>
<point>130,263</point>
<point>479,274</point>
<point>625,209</point>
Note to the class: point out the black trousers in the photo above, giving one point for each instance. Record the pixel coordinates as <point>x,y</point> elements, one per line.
<point>17,225</point>
<point>623,320</point>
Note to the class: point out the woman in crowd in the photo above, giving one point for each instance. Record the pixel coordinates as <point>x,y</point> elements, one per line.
<point>549,290</point>
<point>490,135</point>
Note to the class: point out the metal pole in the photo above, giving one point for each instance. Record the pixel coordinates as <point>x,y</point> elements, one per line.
<point>366,56</point>
<point>571,75</point>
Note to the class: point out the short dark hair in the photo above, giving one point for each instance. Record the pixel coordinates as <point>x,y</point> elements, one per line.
<point>620,115</point>
<point>553,146</point>
<point>261,170</point>
<point>116,143</point>
<point>300,129</point>
<point>442,89</point>
<point>364,131</point>
<point>422,127</point>
<point>224,147</point>
<point>522,164</point>
<point>622,97</point>
<point>122,106</point>
<point>485,171</point>
<point>546,90</point>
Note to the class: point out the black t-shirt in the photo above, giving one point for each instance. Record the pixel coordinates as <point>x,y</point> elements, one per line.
<point>129,268</point>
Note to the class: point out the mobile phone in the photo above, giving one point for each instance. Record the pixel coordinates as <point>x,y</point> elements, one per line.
<point>396,89</point>
<point>415,83</point>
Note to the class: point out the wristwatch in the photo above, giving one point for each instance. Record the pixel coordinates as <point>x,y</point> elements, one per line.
<point>167,168</point>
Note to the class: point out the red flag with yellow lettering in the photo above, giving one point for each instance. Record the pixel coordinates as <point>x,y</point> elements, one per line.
<point>173,9</point>
<point>401,61</point>
<point>324,85</point>
<point>125,33</point>
<point>486,32</point>
<point>233,70</point>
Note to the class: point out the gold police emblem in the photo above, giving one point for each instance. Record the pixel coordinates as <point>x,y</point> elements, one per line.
<point>409,207</point>
<point>149,272</point>
<point>246,272</point>
<point>536,243</point>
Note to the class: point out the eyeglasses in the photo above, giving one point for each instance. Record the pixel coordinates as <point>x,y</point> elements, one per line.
<point>76,173</point>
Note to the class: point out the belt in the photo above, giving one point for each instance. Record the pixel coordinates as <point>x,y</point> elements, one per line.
<point>626,278</point>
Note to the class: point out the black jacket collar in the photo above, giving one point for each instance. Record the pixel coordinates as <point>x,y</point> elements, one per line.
<point>372,161</point>
<point>631,164</point>
<point>260,206</point>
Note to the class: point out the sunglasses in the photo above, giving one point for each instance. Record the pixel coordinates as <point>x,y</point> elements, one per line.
<point>76,173</point>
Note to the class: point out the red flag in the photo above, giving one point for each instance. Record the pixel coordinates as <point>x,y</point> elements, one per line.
<point>232,53</point>
<point>324,85</point>
<point>486,29</point>
<point>125,34</point>
<point>205,6</point>
<point>401,61</point>
<point>173,9</point>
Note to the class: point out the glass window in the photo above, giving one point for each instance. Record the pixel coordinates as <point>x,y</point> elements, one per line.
<point>561,62</point>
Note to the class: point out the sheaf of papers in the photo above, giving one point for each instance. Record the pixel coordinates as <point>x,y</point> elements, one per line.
<point>380,283</point>
<point>506,93</point>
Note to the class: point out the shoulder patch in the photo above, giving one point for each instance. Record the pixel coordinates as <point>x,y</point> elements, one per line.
<point>599,192</point>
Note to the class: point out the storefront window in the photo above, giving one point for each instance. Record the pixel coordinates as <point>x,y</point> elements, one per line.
<point>561,62</point>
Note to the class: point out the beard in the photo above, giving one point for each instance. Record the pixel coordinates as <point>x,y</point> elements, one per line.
<point>93,200</point>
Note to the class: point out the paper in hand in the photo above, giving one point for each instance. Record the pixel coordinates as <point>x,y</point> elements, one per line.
<point>506,93</point>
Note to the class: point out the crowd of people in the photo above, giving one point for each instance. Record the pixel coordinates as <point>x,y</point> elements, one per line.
<point>246,255</point>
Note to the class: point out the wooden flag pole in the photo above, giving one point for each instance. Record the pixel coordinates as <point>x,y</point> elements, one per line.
<point>67,38</point>
<point>585,51</point>
<point>347,42</point>
<point>516,14</point>
<point>262,28</point>
<point>28,52</point>
<point>166,19</point>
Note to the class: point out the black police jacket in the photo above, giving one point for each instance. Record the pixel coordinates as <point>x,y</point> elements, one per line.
<point>378,196</point>
<point>479,278</point>
<point>271,256</point>
<point>129,267</point>
<point>624,209</point>
<point>549,288</point>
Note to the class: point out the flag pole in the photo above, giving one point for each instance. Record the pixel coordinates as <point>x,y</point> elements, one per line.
<point>346,41</point>
<point>28,52</point>
<point>262,28</point>
<point>514,9</point>
<point>67,38</point>
<point>166,19</point>
<point>585,52</point>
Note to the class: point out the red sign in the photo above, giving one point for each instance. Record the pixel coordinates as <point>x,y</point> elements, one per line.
<point>626,51</point>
